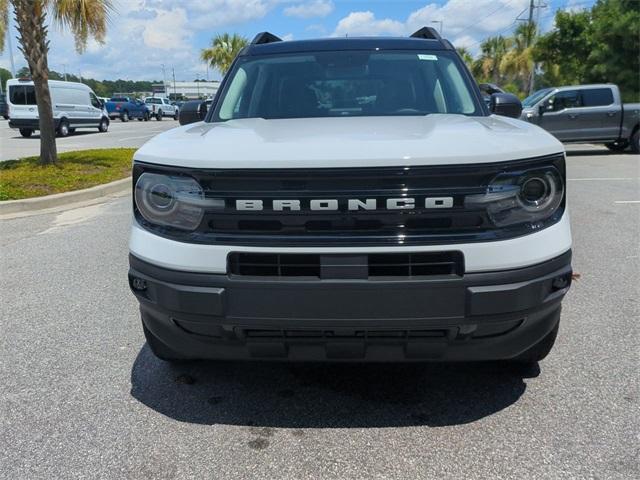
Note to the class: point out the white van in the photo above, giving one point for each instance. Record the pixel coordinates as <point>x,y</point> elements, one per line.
<point>74,106</point>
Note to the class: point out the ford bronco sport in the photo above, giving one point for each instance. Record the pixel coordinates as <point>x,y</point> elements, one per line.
<point>351,200</point>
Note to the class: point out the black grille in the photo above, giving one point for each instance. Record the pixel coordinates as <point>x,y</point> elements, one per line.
<point>403,265</point>
<point>420,225</point>
<point>329,334</point>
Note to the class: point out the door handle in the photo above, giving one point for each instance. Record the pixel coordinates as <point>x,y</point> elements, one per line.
<point>611,114</point>
<point>573,115</point>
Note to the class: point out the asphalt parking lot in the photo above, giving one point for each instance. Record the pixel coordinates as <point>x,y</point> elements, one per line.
<point>83,397</point>
<point>130,134</point>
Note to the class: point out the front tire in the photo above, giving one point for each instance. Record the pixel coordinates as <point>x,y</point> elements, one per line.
<point>635,142</point>
<point>26,132</point>
<point>125,116</point>
<point>104,125</point>
<point>175,115</point>
<point>159,349</point>
<point>159,116</point>
<point>63,128</point>
<point>617,146</point>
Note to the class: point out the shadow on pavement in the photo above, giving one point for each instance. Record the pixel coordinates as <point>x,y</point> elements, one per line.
<point>325,395</point>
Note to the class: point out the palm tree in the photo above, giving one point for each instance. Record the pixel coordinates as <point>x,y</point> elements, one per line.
<point>493,50</point>
<point>466,56</point>
<point>518,61</point>
<point>85,18</point>
<point>223,51</point>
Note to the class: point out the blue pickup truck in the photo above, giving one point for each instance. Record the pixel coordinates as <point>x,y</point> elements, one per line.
<point>126,108</point>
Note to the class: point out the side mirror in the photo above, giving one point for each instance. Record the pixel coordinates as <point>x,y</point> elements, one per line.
<point>505,104</point>
<point>192,112</point>
<point>101,103</point>
<point>546,106</point>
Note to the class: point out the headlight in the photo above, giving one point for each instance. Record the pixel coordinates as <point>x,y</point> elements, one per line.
<point>171,201</point>
<point>521,197</point>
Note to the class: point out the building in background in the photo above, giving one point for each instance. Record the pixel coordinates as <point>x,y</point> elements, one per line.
<point>186,90</point>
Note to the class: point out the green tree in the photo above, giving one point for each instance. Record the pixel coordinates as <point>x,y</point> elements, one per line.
<point>565,49</point>
<point>518,63</point>
<point>4,76</point>
<point>223,50</point>
<point>615,56</point>
<point>597,45</point>
<point>85,19</point>
<point>465,55</point>
<point>487,67</point>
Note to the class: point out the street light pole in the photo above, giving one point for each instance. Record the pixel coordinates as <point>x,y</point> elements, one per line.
<point>13,66</point>
<point>173,70</point>
<point>164,79</point>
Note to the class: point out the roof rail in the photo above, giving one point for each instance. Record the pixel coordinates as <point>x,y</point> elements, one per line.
<point>428,33</point>
<point>265,37</point>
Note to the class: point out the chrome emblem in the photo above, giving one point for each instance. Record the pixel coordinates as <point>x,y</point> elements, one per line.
<point>351,204</point>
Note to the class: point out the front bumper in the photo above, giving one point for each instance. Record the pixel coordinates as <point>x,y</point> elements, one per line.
<point>479,316</point>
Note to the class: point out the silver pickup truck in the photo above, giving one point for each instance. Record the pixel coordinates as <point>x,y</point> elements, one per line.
<point>586,114</point>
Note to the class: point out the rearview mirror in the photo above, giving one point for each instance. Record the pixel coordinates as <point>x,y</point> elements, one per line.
<point>505,104</point>
<point>192,112</point>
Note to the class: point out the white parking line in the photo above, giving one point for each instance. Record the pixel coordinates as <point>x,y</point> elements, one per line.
<point>135,138</point>
<point>626,201</point>
<point>601,179</point>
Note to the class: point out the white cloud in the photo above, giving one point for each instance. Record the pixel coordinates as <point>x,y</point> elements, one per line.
<point>575,6</point>
<point>365,23</point>
<point>206,14</point>
<point>315,8</point>
<point>465,41</point>
<point>465,21</point>
<point>167,31</point>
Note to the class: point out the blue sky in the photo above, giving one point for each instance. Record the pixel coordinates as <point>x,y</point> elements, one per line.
<point>143,34</point>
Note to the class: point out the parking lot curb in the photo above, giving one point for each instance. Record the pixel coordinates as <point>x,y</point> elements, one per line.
<point>33,206</point>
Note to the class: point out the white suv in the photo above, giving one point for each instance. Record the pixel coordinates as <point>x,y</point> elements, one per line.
<point>161,107</point>
<point>351,199</point>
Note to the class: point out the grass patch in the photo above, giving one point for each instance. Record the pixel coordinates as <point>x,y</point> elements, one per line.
<point>26,178</point>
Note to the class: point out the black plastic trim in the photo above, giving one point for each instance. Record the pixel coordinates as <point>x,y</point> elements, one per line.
<point>480,316</point>
<point>427,33</point>
<point>265,37</point>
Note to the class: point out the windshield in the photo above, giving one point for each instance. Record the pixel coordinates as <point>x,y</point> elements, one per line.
<point>535,97</point>
<point>346,83</point>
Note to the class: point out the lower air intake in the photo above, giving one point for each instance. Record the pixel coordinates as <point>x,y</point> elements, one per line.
<point>392,265</point>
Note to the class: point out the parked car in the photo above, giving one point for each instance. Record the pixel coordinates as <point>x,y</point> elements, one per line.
<point>75,105</point>
<point>4,110</point>
<point>126,108</point>
<point>162,107</point>
<point>586,114</point>
<point>351,199</point>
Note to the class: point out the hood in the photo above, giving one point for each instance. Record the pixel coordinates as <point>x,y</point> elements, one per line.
<point>349,142</point>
